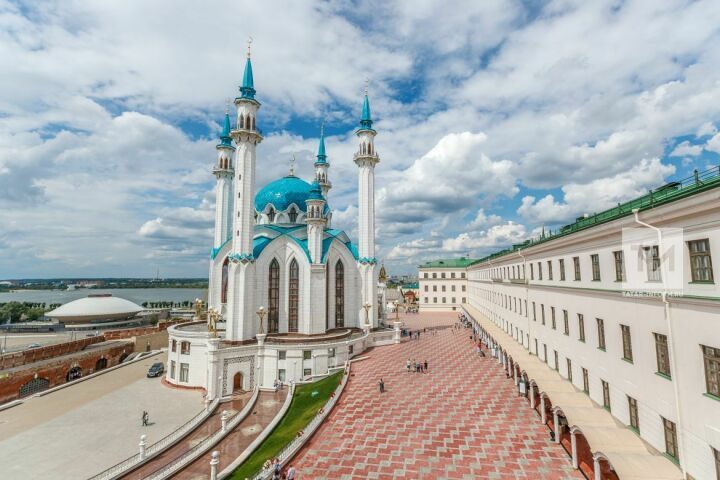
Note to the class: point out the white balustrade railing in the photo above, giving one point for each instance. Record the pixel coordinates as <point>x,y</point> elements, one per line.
<point>136,460</point>
<point>289,451</point>
<point>203,446</point>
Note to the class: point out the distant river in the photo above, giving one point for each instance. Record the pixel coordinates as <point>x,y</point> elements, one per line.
<point>137,295</point>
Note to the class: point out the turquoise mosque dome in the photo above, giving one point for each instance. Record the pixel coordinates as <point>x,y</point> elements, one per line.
<point>284,192</point>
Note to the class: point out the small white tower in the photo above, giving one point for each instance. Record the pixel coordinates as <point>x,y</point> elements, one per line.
<point>316,221</point>
<point>223,172</point>
<point>322,166</point>
<point>241,322</point>
<point>366,158</point>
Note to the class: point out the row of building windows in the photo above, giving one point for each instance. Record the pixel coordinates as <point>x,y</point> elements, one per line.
<point>443,300</point>
<point>442,287</point>
<point>699,253</point>
<point>184,347</point>
<point>184,371</point>
<point>711,355</point>
<point>670,430</point>
<point>443,275</point>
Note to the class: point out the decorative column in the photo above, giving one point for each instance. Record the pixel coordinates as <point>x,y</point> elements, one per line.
<point>143,446</point>
<point>532,396</point>
<point>213,385</point>
<point>543,415</point>
<point>597,472</point>
<point>396,332</point>
<point>573,449</point>
<point>214,461</point>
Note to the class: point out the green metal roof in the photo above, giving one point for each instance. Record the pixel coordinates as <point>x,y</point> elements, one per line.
<point>699,182</point>
<point>449,263</point>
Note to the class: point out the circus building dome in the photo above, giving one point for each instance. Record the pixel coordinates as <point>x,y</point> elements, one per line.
<point>95,308</point>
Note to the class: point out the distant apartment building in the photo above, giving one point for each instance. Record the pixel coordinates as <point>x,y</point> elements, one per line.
<point>443,284</point>
<point>646,348</point>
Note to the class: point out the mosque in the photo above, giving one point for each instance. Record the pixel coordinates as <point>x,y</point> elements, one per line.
<point>289,295</point>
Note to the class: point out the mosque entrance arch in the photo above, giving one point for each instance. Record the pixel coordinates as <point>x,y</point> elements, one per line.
<point>237,382</point>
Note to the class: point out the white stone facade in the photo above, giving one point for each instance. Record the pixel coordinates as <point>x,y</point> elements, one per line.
<point>274,252</point>
<point>532,307</point>
<point>442,289</point>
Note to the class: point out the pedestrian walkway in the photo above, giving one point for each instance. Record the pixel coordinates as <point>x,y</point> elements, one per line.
<point>211,425</point>
<point>266,408</point>
<point>49,436</point>
<point>463,419</point>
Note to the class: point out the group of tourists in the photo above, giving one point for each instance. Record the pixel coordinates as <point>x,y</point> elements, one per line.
<point>416,367</point>
<point>277,472</point>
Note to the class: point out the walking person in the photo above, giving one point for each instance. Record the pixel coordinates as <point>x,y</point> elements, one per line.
<point>291,473</point>
<point>425,365</point>
<point>381,385</point>
<point>407,365</point>
<point>143,419</point>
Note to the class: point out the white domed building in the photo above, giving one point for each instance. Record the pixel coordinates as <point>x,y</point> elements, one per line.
<point>277,258</point>
<point>96,309</point>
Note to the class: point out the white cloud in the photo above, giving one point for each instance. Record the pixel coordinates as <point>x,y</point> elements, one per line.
<point>595,196</point>
<point>713,145</point>
<point>707,128</point>
<point>686,149</point>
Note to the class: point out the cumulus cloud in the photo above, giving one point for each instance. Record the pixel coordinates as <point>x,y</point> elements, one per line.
<point>595,196</point>
<point>686,149</point>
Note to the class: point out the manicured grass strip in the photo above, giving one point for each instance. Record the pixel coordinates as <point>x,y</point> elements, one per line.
<point>303,408</point>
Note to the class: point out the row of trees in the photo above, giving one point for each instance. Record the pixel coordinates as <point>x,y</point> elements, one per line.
<point>184,304</point>
<point>12,312</point>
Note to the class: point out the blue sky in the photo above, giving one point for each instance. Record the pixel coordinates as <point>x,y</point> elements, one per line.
<point>494,119</point>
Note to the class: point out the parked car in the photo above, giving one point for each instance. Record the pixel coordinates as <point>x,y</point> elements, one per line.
<point>156,370</point>
<point>34,345</point>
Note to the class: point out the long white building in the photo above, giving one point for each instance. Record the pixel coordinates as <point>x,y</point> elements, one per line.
<point>624,307</point>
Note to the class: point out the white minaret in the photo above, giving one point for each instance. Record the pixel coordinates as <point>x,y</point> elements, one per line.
<point>242,323</point>
<point>316,220</point>
<point>366,158</point>
<point>223,172</point>
<point>322,166</point>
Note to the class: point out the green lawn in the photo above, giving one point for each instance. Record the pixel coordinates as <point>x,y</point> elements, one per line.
<point>302,409</point>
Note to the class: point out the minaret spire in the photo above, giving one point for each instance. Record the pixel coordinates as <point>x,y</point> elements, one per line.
<point>241,319</point>
<point>321,164</point>
<point>366,158</point>
<point>247,89</point>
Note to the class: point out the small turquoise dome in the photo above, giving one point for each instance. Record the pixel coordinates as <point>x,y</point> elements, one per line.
<point>282,193</point>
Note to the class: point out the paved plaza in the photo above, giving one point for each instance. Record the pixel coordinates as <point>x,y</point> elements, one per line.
<point>461,420</point>
<point>82,429</point>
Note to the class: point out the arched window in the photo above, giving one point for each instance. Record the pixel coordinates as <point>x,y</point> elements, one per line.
<point>274,297</point>
<point>271,215</point>
<point>247,122</point>
<point>293,296</point>
<point>292,214</point>
<point>253,123</point>
<point>369,148</point>
<point>224,282</point>
<point>339,294</point>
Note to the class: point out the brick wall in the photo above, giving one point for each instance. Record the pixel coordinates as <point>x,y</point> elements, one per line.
<point>56,371</point>
<point>17,359</point>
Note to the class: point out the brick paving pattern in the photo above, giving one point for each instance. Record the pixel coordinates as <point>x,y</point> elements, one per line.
<point>463,419</point>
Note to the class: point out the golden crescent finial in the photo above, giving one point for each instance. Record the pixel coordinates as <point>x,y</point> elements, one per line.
<point>227,106</point>
<point>367,82</point>
<point>249,42</point>
<point>292,166</point>
<point>322,127</point>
